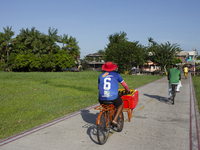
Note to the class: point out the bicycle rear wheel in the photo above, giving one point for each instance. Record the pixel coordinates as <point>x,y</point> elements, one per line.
<point>102,129</point>
<point>120,121</point>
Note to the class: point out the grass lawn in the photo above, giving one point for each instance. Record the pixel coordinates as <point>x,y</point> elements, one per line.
<point>30,99</point>
<point>196,82</point>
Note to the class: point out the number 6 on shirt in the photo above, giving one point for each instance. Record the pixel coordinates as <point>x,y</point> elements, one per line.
<point>107,84</point>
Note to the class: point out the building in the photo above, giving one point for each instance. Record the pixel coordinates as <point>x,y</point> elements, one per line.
<point>95,62</point>
<point>183,55</point>
<point>188,58</point>
<point>150,66</point>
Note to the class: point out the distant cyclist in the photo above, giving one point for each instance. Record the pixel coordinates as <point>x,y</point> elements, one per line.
<point>185,71</point>
<point>108,88</point>
<point>174,76</point>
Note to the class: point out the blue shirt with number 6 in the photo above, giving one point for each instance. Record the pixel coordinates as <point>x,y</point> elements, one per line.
<point>108,85</point>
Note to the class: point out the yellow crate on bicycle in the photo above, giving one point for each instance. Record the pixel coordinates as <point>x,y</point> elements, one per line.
<point>130,100</point>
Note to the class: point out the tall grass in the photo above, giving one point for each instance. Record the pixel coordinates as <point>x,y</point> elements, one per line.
<point>196,82</point>
<point>30,99</point>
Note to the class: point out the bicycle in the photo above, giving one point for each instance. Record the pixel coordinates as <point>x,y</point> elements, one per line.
<point>107,112</point>
<point>104,119</point>
<point>173,92</point>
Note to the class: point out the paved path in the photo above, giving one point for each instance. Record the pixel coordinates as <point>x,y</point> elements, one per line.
<point>156,125</point>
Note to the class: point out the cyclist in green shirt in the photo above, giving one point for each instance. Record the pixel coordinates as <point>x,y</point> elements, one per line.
<point>174,76</point>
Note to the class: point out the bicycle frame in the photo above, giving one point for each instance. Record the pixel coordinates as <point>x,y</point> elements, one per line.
<point>103,121</point>
<point>108,109</point>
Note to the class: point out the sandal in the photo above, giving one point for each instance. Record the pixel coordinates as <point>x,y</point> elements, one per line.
<point>115,124</point>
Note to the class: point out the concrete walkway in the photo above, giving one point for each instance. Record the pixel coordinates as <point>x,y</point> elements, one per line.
<point>156,125</point>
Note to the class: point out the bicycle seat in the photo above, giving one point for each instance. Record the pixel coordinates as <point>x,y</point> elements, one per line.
<point>107,102</point>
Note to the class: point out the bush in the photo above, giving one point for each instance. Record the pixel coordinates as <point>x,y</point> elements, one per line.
<point>2,66</point>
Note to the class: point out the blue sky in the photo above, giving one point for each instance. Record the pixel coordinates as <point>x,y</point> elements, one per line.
<point>92,21</point>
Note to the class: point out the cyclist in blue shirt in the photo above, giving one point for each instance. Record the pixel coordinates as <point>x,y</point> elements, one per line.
<point>108,88</point>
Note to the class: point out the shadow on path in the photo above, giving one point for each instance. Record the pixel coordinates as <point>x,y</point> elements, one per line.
<point>160,98</point>
<point>90,125</point>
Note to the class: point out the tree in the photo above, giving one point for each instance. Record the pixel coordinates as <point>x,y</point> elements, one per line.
<point>52,38</point>
<point>84,65</point>
<point>125,53</point>
<point>177,61</point>
<point>117,37</point>
<point>47,62</point>
<point>8,33</point>
<point>101,52</point>
<point>21,44</point>
<point>73,49</point>
<point>21,62</point>
<point>63,60</point>
<point>34,39</point>
<point>163,54</point>
<point>34,51</point>
<point>64,40</point>
<point>2,50</point>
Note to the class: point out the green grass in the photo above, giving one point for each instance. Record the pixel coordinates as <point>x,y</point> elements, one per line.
<point>196,82</point>
<point>30,99</point>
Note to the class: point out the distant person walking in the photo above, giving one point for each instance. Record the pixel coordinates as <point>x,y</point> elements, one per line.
<point>185,71</point>
<point>174,77</point>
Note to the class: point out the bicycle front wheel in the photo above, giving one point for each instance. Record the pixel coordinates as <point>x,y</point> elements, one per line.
<point>103,129</point>
<point>120,121</point>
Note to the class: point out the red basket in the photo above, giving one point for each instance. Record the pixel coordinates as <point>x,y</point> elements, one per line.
<point>130,100</point>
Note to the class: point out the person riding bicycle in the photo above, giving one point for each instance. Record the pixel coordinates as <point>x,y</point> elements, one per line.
<point>185,71</point>
<point>108,88</point>
<point>174,76</point>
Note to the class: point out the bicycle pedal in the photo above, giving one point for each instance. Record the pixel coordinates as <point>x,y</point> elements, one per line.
<point>112,125</point>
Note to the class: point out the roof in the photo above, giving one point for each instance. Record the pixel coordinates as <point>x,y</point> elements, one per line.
<point>183,53</point>
<point>95,63</point>
<point>187,53</point>
<point>193,53</point>
<point>94,55</point>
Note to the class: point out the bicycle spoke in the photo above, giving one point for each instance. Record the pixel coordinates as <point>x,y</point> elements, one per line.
<point>103,129</point>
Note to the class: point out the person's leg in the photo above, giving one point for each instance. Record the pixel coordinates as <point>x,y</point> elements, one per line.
<point>119,106</point>
<point>118,111</point>
<point>170,90</point>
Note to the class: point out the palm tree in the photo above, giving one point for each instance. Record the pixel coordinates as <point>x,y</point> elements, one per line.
<point>73,48</point>
<point>23,37</point>
<point>2,46</point>
<point>52,38</point>
<point>34,39</point>
<point>63,39</point>
<point>8,39</point>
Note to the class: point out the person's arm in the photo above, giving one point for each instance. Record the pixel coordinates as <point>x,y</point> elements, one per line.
<point>125,86</point>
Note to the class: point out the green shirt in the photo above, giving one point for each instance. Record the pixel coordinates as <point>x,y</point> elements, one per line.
<point>174,75</point>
